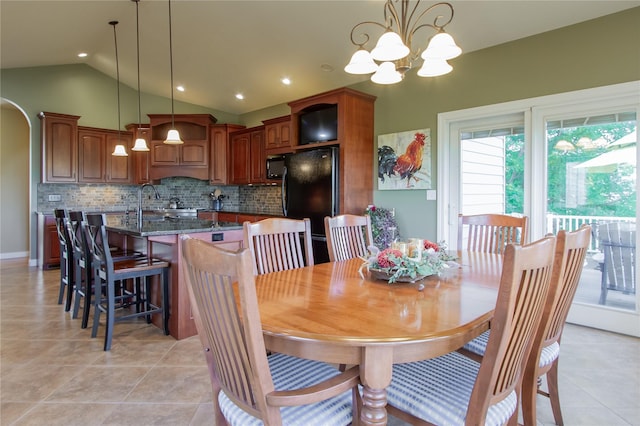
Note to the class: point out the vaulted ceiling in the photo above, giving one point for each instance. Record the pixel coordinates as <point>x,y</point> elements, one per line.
<point>221,48</point>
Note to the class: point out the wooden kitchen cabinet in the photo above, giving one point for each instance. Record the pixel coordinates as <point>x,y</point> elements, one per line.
<point>355,143</point>
<point>140,158</point>
<point>95,162</point>
<point>219,151</point>
<point>50,244</point>
<point>247,157</point>
<point>59,137</point>
<point>277,133</point>
<point>190,159</point>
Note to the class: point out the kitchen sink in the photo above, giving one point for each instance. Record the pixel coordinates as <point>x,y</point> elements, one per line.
<point>170,214</point>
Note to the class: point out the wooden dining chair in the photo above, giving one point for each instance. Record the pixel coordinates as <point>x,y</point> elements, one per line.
<point>490,233</point>
<point>66,259</point>
<point>454,389</point>
<point>248,385</point>
<point>278,244</point>
<point>106,273</point>
<point>348,236</point>
<point>571,249</point>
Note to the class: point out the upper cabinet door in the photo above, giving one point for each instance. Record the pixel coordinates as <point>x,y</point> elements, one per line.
<point>59,134</point>
<point>91,155</point>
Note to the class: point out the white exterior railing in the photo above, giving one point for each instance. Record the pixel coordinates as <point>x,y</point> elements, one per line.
<point>570,223</point>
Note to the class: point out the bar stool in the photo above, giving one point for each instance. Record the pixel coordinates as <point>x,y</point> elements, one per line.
<point>107,272</point>
<point>66,259</point>
<point>83,277</point>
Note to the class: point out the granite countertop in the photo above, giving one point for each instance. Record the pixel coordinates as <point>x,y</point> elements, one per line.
<point>124,225</point>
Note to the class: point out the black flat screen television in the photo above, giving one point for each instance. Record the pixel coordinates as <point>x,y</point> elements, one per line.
<point>319,124</point>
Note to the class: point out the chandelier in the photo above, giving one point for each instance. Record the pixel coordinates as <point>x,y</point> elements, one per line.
<point>394,49</point>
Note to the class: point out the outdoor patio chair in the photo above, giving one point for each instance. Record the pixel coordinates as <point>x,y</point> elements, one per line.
<point>618,243</point>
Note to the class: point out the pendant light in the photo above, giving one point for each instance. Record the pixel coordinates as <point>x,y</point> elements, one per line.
<point>140,144</point>
<point>173,137</point>
<point>119,150</point>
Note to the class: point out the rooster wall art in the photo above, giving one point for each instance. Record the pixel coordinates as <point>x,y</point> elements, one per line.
<point>404,160</point>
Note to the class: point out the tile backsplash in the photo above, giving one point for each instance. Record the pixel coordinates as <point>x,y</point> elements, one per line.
<point>192,192</point>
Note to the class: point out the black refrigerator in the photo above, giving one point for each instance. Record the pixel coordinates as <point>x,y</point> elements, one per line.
<point>310,190</point>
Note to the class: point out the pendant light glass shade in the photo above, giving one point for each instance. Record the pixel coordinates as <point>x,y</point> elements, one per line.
<point>389,48</point>
<point>173,137</point>
<point>361,63</point>
<point>120,151</point>
<point>140,145</point>
<point>386,74</point>
<point>441,46</point>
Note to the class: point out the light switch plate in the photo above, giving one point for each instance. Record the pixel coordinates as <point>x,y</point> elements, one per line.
<point>55,197</point>
<point>431,194</point>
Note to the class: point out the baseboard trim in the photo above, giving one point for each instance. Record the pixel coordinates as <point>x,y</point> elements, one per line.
<point>14,255</point>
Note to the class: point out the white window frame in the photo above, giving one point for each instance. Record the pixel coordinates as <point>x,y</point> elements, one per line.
<point>536,111</point>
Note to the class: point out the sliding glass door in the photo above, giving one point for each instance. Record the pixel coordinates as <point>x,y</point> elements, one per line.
<point>564,161</point>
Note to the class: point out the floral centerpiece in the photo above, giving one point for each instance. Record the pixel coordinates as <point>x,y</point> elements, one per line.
<point>408,263</point>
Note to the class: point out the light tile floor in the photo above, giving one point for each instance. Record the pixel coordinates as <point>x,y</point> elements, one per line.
<point>53,373</point>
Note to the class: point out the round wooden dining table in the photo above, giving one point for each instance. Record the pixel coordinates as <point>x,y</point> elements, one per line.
<point>329,312</point>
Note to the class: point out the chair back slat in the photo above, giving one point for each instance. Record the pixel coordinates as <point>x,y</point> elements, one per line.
<point>62,217</point>
<point>279,244</point>
<point>97,239</point>
<point>348,236</point>
<point>238,362</point>
<point>523,288</point>
<point>490,233</point>
<point>571,250</point>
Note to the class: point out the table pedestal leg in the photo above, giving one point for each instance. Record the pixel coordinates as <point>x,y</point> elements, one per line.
<point>374,402</point>
<point>375,374</point>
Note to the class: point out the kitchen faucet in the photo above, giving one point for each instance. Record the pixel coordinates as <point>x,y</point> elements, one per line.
<point>140,188</point>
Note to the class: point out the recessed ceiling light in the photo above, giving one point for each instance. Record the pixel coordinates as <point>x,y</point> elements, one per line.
<point>82,55</point>
<point>239,96</point>
<point>180,88</point>
<point>326,67</point>
<point>286,81</point>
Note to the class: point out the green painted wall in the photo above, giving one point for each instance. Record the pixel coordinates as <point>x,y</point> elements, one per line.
<point>590,54</point>
<point>600,52</point>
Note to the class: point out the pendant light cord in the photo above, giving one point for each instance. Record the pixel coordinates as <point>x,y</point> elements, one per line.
<point>138,50</point>
<point>115,40</point>
<point>173,126</point>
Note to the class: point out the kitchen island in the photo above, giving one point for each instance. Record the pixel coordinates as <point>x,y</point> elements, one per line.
<point>160,237</point>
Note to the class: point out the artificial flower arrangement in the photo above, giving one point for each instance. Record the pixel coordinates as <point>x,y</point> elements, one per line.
<point>408,262</point>
<point>384,227</point>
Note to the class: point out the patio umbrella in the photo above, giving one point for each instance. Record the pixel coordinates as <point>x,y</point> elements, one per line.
<point>607,162</point>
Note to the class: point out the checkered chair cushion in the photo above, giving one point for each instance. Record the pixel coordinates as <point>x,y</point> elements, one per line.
<point>438,391</point>
<point>548,354</point>
<point>292,373</point>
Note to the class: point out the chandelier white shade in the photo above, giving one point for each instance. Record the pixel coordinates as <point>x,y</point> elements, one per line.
<point>386,74</point>
<point>434,68</point>
<point>361,63</point>
<point>389,48</point>
<point>441,46</point>
<point>394,50</point>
